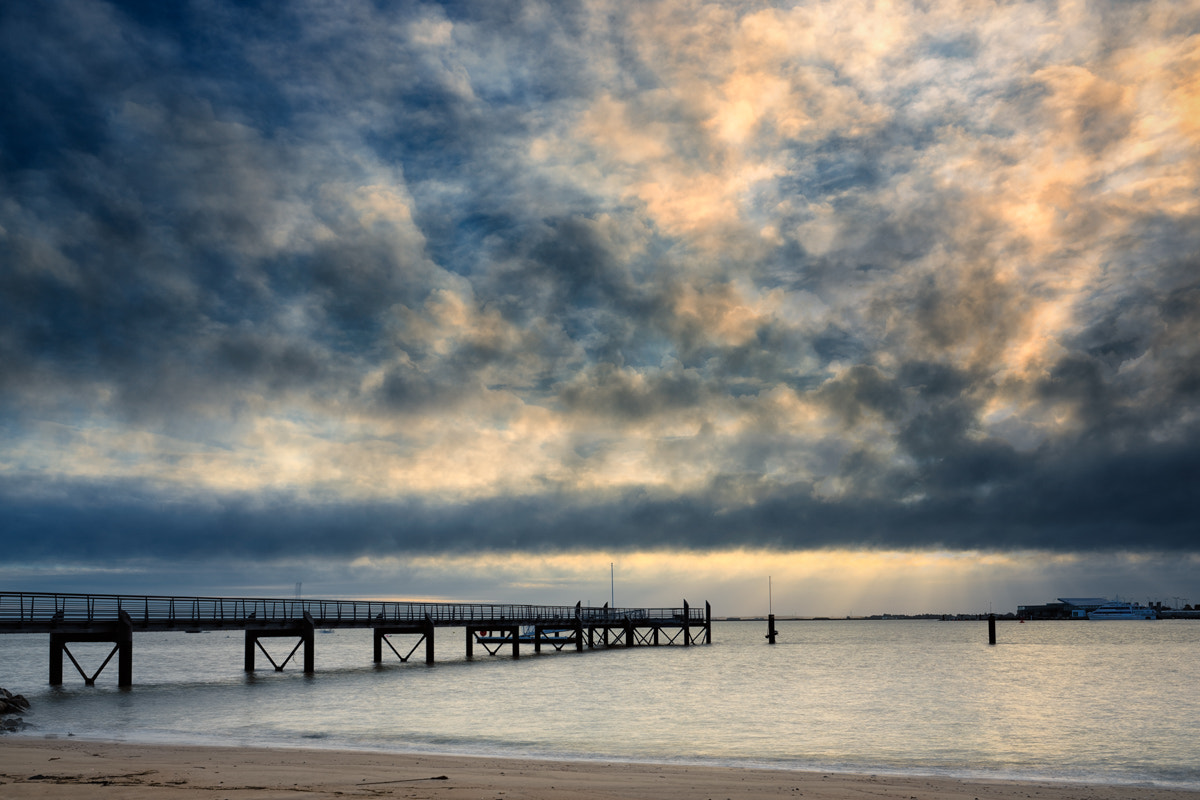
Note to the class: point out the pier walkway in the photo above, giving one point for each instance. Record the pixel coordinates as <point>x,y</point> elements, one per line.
<point>70,618</point>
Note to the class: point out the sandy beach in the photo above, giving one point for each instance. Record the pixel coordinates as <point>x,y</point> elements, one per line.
<point>70,768</point>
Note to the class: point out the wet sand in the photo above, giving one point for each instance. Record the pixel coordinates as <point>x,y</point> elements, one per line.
<point>71,768</point>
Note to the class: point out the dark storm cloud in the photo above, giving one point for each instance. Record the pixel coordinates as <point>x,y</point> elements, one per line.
<point>365,280</point>
<point>980,499</point>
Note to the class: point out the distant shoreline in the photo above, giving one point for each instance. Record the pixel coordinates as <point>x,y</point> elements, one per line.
<point>870,617</point>
<point>1008,617</point>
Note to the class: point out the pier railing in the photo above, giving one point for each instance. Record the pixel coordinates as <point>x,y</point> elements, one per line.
<point>25,608</point>
<point>113,618</point>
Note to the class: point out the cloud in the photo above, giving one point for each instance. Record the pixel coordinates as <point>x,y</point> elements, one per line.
<point>365,281</point>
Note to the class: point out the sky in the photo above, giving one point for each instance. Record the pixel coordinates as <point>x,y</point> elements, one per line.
<point>827,308</point>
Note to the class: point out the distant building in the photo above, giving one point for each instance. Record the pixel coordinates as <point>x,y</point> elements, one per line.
<point>1065,608</point>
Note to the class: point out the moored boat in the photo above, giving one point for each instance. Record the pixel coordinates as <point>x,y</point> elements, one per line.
<point>558,638</point>
<point>1122,611</point>
<point>552,636</point>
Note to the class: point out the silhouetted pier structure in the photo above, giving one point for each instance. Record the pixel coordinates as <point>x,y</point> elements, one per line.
<point>70,618</point>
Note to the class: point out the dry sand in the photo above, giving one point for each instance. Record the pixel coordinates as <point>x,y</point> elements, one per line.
<point>70,768</point>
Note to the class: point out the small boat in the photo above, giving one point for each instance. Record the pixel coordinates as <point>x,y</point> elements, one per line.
<point>1122,611</point>
<point>555,637</point>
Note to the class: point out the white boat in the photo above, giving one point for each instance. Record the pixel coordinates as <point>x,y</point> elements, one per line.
<point>1122,611</point>
<point>555,637</point>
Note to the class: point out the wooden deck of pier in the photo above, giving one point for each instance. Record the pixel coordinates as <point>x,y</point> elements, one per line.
<point>70,618</point>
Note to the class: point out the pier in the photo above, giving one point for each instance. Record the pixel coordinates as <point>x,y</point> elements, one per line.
<point>114,619</point>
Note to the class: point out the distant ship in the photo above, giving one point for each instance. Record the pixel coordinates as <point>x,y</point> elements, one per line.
<point>1122,611</point>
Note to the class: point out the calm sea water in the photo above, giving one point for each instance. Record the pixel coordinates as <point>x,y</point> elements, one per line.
<point>1115,702</point>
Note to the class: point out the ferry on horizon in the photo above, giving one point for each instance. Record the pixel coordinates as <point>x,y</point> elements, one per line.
<point>1122,611</point>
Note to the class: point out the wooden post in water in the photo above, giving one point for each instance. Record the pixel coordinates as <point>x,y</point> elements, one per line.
<point>771,632</point>
<point>991,628</point>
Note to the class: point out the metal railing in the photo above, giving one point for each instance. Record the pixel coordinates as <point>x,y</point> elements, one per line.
<point>45,607</point>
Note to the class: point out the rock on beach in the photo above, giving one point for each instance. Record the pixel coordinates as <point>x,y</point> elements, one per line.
<point>11,704</point>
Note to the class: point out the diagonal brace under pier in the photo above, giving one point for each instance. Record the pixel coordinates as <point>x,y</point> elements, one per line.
<point>119,633</point>
<point>304,628</point>
<point>423,629</point>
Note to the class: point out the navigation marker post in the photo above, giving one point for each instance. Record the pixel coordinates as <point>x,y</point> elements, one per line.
<point>771,632</point>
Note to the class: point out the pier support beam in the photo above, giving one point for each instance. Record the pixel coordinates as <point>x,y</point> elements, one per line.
<point>305,629</point>
<point>56,653</point>
<point>687,625</point>
<point>120,634</point>
<point>308,632</point>
<point>125,656</point>
<point>424,629</point>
